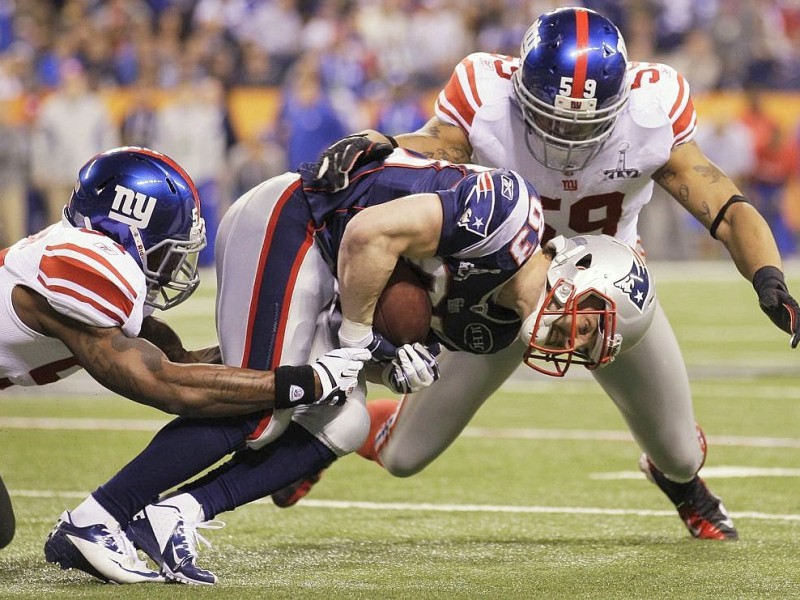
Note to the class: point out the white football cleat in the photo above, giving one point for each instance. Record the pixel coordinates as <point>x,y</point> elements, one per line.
<point>170,539</point>
<point>99,550</point>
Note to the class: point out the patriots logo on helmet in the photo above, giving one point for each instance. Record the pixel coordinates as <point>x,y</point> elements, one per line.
<point>479,206</point>
<point>636,284</point>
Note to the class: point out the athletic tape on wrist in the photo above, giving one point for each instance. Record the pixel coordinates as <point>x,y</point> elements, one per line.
<point>721,214</point>
<point>293,386</point>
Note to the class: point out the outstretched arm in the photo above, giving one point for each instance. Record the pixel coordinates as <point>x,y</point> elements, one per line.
<point>711,196</point>
<point>136,369</point>
<point>702,188</point>
<point>438,140</point>
<point>164,337</point>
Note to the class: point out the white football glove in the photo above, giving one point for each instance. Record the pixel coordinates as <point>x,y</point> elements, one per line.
<point>338,372</point>
<point>414,369</point>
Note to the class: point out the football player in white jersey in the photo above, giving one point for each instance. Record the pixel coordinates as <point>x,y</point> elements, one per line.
<point>81,293</point>
<point>594,133</point>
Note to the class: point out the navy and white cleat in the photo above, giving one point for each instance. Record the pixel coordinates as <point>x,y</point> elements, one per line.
<point>101,551</point>
<point>170,539</point>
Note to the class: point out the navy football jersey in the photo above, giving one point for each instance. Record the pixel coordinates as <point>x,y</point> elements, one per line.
<point>492,224</point>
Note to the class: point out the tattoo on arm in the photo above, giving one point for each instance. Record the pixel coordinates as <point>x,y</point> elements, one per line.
<point>664,177</point>
<point>118,361</point>
<point>452,154</point>
<point>709,171</point>
<point>160,334</point>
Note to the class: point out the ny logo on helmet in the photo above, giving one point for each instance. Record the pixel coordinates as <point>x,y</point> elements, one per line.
<point>132,208</point>
<point>635,285</point>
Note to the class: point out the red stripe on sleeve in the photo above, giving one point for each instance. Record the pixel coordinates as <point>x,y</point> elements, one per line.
<point>71,269</point>
<point>683,122</point>
<point>679,99</point>
<point>96,256</point>
<point>84,299</point>
<point>457,97</point>
<point>452,115</point>
<point>582,59</point>
<point>472,80</point>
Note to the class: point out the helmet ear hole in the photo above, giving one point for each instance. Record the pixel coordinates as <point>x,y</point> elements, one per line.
<point>100,188</point>
<point>585,262</point>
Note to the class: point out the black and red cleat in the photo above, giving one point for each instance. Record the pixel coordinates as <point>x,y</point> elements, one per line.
<point>701,511</point>
<point>292,494</point>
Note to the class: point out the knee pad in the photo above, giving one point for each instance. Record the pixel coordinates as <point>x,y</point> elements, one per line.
<point>343,429</point>
<point>683,469</point>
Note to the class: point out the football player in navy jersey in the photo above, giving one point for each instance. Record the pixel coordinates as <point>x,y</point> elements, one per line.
<point>299,272</point>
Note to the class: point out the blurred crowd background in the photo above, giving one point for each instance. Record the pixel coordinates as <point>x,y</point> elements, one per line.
<point>241,90</point>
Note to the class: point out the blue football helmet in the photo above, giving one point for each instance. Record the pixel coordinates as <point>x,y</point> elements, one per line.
<point>148,204</point>
<point>571,86</point>
<point>590,275</point>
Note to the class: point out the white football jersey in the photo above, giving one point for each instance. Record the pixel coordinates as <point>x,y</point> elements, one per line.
<point>83,275</point>
<point>605,196</point>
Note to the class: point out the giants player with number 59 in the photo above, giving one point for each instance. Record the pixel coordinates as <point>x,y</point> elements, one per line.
<point>594,133</point>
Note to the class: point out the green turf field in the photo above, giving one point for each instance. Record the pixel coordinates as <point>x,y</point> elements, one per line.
<point>539,499</point>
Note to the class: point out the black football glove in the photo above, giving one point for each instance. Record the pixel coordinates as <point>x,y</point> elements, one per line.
<point>776,302</point>
<point>331,172</point>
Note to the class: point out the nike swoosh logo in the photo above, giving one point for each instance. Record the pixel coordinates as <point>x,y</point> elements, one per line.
<point>178,560</point>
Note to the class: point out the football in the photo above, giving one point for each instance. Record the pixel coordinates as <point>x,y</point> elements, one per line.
<point>403,312</point>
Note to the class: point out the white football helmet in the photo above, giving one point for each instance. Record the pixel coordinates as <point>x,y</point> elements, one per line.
<point>590,275</point>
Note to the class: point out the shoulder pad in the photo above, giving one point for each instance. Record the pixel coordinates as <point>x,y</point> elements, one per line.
<point>478,80</point>
<point>94,281</point>
<point>659,85</point>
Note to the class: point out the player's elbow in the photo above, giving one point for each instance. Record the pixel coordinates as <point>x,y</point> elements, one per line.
<point>362,235</point>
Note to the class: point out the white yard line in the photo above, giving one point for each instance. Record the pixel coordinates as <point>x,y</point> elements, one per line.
<point>152,425</point>
<point>429,507</point>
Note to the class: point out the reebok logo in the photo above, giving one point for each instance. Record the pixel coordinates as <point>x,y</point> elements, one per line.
<point>132,208</point>
<point>296,393</point>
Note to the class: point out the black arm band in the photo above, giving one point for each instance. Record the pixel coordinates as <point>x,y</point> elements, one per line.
<point>721,214</point>
<point>294,386</point>
<point>392,141</point>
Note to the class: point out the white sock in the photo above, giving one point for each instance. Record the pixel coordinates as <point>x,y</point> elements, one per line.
<point>89,512</point>
<point>186,503</point>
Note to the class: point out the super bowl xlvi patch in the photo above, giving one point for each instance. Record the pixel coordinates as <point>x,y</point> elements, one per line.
<point>636,284</point>
<point>479,205</point>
